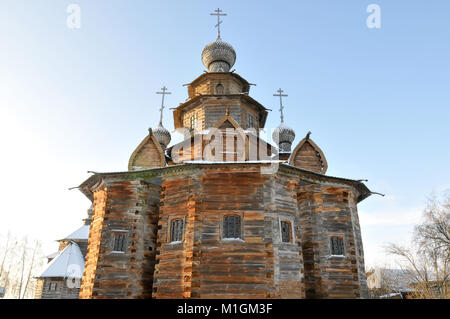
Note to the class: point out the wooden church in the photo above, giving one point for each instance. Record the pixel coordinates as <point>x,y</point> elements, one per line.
<point>224,213</point>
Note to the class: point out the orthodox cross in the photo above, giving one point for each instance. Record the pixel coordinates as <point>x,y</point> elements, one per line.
<point>164,89</point>
<point>218,14</point>
<point>280,94</point>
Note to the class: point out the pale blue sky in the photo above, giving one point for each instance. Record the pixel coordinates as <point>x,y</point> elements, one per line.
<point>73,100</point>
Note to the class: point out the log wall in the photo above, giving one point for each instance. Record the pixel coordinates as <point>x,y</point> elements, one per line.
<point>131,208</point>
<point>206,265</point>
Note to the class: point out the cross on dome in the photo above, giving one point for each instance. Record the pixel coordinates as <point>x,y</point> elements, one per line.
<point>164,89</point>
<point>218,14</point>
<point>280,94</point>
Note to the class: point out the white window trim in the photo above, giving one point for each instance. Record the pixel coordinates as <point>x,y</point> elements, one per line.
<point>289,219</point>
<point>169,233</point>
<point>123,232</point>
<point>227,240</point>
<point>176,242</point>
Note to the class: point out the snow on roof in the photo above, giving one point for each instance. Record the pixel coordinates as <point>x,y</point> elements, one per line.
<point>80,233</point>
<point>68,263</point>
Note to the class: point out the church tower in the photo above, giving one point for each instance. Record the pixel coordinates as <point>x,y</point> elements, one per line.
<point>224,213</point>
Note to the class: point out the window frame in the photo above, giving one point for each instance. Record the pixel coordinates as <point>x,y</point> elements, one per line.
<point>216,89</point>
<point>53,285</point>
<point>114,234</point>
<point>193,121</point>
<point>289,228</point>
<point>250,121</point>
<point>240,228</point>
<point>290,221</point>
<point>170,230</point>
<point>342,240</point>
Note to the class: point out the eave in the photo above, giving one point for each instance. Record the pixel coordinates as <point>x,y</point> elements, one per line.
<point>305,175</point>
<point>237,76</point>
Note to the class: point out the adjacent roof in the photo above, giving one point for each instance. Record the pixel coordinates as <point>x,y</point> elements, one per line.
<point>69,262</point>
<point>80,233</point>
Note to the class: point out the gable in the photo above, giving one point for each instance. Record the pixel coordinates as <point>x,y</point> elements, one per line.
<point>307,155</point>
<point>148,154</point>
<point>226,124</point>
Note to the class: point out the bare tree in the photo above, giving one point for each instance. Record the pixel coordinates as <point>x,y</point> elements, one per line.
<point>32,266</point>
<point>383,281</point>
<point>20,262</point>
<point>5,254</point>
<point>428,258</point>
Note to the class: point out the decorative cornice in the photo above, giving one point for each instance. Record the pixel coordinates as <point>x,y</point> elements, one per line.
<point>190,168</point>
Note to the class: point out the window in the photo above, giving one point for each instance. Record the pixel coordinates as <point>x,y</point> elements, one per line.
<point>232,227</point>
<point>250,121</point>
<point>52,286</point>
<point>219,89</point>
<point>176,231</point>
<point>337,246</point>
<point>193,121</point>
<point>285,231</point>
<point>119,243</point>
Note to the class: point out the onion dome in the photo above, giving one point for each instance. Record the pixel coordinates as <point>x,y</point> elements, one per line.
<point>283,135</point>
<point>218,56</point>
<point>162,135</point>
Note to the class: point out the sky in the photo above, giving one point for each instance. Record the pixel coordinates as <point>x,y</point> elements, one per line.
<point>74,100</point>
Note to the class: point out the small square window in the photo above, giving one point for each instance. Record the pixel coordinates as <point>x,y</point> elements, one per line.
<point>52,286</point>
<point>232,227</point>
<point>285,231</point>
<point>337,246</point>
<point>119,243</point>
<point>176,231</point>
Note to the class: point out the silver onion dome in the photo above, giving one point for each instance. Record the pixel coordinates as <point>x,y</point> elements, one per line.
<point>283,135</point>
<point>162,135</point>
<point>218,56</point>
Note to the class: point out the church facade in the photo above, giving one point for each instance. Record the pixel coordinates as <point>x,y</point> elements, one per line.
<point>223,213</point>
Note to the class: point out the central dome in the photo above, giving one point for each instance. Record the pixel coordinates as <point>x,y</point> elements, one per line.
<point>218,56</point>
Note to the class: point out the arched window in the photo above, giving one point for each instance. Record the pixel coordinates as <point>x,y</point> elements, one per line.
<point>176,230</point>
<point>232,227</point>
<point>219,89</point>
